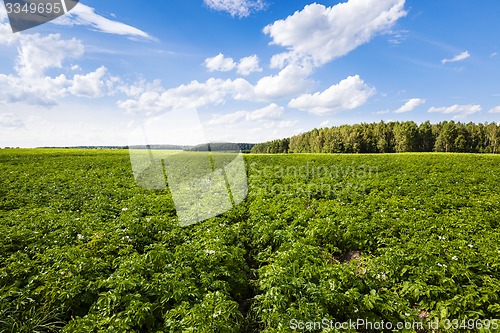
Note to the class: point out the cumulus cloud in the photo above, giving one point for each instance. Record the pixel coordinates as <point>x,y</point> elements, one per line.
<point>496,109</point>
<point>86,16</point>
<point>326,33</point>
<point>36,55</point>
<point>410,105</point>
<point>459,57</point>
<point>291,80</point>
<point>348,94</point>
<point>90,85</point>
<point>288,82</point>
<point>460,111</point>
<point>245,66</point>
<point>3,13</point>
<point>193,95</point>
<point>10,120</point>
<point>248,65</point>
<point>272,111</point>
<point>313,36</point>
<point>220,63</point>
<point>6,35</point>
<point>238,8</point>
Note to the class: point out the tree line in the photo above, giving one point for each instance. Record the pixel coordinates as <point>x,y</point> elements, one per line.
<point>391,137</point>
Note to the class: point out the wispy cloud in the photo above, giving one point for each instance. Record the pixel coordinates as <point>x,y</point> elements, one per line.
<point>460,111</point>
<point>238,8</point>
<point>496,109</point>
<point>410,105</point>
<point>459,57</point>
<point>86,16</point>
<point>10,120</point>
<point>381,112</point>
<point>397,37</point>
<point>272,111</point>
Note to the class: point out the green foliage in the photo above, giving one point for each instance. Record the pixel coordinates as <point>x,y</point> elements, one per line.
<point>391,137</point>
<point>411,237</point>
<point>272,147</point>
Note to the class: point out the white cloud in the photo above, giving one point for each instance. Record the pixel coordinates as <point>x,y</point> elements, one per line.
<point>326,33</point>
<point>249,65</point>
<point>398,37</point>
<point>230,118</point>
<point>245,66</point>
<point>6,35</point>
<point>460,57</point>
<point>193,95</point>
<point>493,55</point>
<point>313,36</point>
<point>220,63</point>
<point>239,8</point>
<point>461,111</point>
<point>381,112</point>
<point>86,16</point>
<point>37,54</point>
<point>289,81</point>
<point>348,94</point>
<point>285,124</point>
<point>10,120</point>
<point>3,13</point>
<point>496,109</point>
<point>90,85</point>
<point>410,105</point>
<point>44,91</point>
<point>272,111</point>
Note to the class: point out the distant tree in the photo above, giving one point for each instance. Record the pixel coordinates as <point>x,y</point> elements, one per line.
<point>426,137</point>
<point>384,137</point>
<point>406,136</point>
<point>446,138</point>
<point>280,146</point>
<point>461,143</point>
<point>493,136</point>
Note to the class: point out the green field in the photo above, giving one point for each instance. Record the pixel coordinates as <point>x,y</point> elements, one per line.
<point>393,237</point>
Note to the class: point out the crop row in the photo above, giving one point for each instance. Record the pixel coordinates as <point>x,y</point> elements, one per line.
<point>411,237</point>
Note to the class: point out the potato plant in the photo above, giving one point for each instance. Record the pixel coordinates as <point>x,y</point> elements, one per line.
<point>399,238</point>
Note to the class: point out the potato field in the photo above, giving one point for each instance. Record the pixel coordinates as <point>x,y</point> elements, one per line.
<point>319,241</point>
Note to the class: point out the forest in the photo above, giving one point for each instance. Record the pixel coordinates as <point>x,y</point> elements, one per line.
<point>391,137</point>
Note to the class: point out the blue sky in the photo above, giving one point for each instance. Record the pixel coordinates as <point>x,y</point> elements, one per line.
<point>244,71</point>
